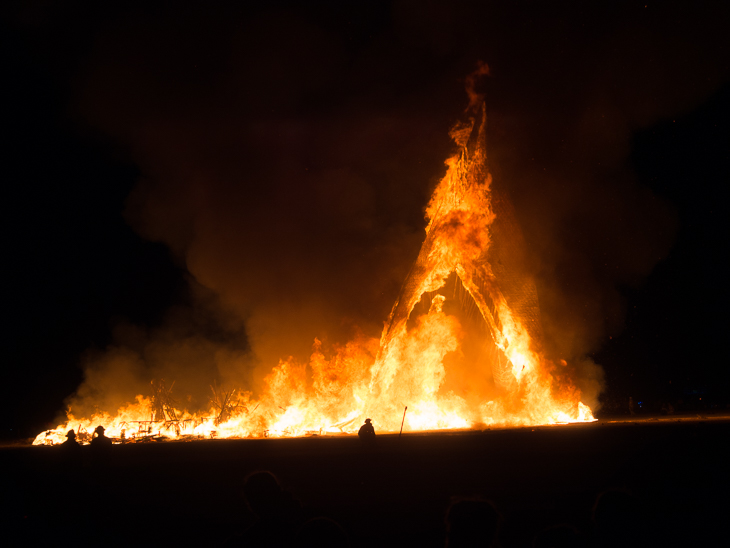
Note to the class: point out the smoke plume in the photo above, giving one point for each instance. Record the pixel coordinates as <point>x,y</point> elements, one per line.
<point>287,161</point>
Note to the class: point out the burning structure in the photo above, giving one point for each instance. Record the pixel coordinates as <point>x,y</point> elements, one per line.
<point>467,309</point>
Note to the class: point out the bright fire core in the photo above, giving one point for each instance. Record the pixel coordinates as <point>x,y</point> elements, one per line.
<point>462,347</point>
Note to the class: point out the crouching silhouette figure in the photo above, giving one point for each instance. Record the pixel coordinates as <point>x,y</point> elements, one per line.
<point>367,432</point>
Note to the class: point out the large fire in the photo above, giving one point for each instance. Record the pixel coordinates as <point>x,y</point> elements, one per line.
<point>465,305</point>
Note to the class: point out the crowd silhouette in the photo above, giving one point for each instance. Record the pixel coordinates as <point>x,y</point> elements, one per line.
<point>472,522</point>
<point>278,519</point>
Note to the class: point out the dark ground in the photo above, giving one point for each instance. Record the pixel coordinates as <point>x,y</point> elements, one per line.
<point>177,493</point>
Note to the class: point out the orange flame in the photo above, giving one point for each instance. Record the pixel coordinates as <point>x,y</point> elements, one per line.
<point>406,367</point>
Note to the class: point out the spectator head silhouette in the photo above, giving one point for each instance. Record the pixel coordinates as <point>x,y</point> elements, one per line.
<point>71,435</point>
<point>99,430</point>
<point>471,523</point>
<point>263,493</point>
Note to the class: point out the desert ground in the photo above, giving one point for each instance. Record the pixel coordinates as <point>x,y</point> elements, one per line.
<point>394,493</point>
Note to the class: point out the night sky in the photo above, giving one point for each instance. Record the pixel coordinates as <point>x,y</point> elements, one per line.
<point>184,182</point>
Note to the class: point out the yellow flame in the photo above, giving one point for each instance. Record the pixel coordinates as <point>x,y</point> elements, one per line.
<point>378,378</point>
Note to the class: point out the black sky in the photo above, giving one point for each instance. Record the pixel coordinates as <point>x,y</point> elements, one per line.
<point>237,177</point>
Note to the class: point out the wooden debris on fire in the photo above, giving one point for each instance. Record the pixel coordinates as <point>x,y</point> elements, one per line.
<point>82,435</point>
<point>163,404</point>
<point>225,403</point>
<point>145,431</point>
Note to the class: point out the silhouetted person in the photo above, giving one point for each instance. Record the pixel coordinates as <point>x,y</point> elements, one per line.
<point>71,447</point>
<point>99,439</point>
<point>367,432</point>
<point>471,523</point>
<point>321,533</point>
<point>617,520</point>
<point>100,447</point>
<point>632,409</point>
<point>70,452</point>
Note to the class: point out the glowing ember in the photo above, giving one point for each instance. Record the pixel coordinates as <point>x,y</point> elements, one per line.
<point>469,244</point>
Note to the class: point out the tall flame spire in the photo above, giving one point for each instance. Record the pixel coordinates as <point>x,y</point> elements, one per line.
<point>473,238</point>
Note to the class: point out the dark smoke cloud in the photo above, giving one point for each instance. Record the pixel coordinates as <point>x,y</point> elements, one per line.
<point>181,352</point>
<point>288,156</point>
